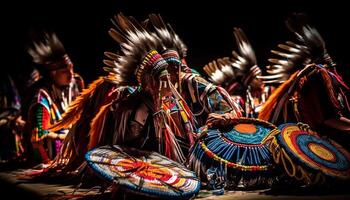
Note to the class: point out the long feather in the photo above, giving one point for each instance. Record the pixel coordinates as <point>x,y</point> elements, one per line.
<point>124,23</point>
<point>117,36</point>
<point>301,26</point>
<point>111,55</point>
<point>166,35</point>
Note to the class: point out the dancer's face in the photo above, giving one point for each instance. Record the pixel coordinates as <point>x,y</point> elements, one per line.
<point>62,77</point>
<point>173,70</point>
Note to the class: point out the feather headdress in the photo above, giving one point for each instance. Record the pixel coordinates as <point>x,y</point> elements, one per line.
<point>241,67</point>
<point>167,36</point>
<point>293,56</point>
<point>137,54</point>
<point>49,52</point>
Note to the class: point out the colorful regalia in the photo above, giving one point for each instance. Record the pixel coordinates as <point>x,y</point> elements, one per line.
<point>135,113</point>
<point>49,101</point>
<point>312,91</point>
<point>177,112</point>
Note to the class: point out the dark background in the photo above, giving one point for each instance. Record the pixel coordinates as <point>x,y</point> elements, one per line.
<point>205,27</point>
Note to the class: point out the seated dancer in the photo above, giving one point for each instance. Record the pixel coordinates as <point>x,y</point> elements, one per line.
<point>157,102</point>
<point>239,76</point>
<point>50,96</point>
<point>312,91</point>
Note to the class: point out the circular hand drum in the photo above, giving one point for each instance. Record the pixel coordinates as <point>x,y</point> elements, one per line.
<point>145,173</point>
<point>307,157</point>
<point>239,148</point>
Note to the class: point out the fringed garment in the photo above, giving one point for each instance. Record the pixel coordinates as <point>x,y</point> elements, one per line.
<point>47,107</point>
<point>315,96</point>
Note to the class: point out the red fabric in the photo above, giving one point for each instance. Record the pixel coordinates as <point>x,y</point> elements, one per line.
<point>45,118</point>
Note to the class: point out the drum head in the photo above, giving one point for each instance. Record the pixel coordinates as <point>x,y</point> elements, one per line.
<point>314,153</point>
<point>142,172</point>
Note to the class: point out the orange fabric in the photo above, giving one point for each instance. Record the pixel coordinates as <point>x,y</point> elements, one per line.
<point>271,102</point>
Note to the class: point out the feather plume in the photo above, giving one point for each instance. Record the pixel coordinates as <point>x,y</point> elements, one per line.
<point>246,52</point>
<point>47,50</point>
<point>220,71</point>
<point>167,35</point>
<point>293,56</point>
<point>307,34</point>
<point>135,42</point>
<point>241,67</point>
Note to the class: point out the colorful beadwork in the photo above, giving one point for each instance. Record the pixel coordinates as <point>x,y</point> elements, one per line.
<point>308,157</point>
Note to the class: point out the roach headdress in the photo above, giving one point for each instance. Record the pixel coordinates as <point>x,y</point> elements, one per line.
<point>49,52</point>
<point>137,55</point>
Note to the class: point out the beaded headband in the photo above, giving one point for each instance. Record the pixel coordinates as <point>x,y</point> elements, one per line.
<point>154,62</point>
<point>171,56</point>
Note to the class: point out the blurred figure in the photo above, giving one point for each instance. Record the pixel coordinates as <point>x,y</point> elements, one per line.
<point>312,91</point>
<point>239,75</point>
<point>10,137</point>
<point>10,121</point>
<point>49,96</point>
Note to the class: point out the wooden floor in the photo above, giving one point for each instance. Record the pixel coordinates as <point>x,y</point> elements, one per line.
<point>12,187</point>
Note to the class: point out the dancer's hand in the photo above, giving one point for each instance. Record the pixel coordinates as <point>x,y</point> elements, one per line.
<point>219,120</point>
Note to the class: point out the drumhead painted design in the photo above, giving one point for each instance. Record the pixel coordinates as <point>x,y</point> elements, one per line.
<point>147,173</point>
<point>308,157</point>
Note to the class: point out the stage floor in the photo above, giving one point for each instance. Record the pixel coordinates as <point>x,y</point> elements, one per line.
<point>12,186</point>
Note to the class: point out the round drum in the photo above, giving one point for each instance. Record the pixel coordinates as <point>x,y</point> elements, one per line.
<point>237,147</point>
<point>145,173</point>
<point>308,157</point>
